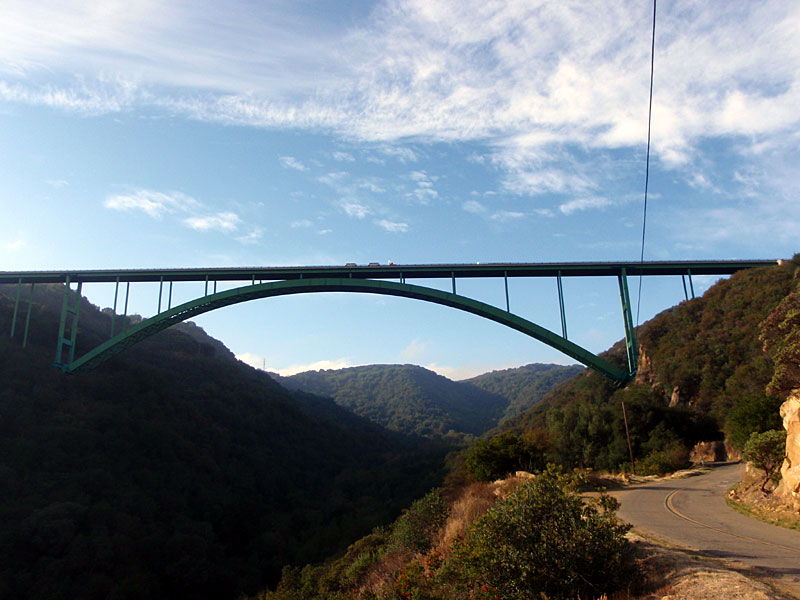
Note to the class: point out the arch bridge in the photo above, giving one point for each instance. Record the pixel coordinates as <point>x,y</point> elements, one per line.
<point>264,282</point>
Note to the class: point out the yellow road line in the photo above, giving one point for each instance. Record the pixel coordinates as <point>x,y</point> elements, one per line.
<point>671,508</point>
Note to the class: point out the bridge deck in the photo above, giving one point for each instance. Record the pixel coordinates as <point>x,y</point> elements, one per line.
<point>377,271</point>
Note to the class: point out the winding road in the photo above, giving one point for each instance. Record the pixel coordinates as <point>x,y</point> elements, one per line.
<point>692,512</point>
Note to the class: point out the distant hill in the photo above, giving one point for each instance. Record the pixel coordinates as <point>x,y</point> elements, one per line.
<point>175,471</point>
<point>524,386</point>
<point>406,398</point>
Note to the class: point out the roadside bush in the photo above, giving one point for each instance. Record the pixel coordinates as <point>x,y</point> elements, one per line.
<point>545,540</point>
<point>766,451</point>
<point>673,457</point>
<point>414,530</point>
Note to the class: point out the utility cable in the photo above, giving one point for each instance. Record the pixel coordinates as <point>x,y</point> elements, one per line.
<point>647,164</point>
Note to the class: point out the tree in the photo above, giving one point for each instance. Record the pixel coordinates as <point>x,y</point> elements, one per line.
<point>766,451</point>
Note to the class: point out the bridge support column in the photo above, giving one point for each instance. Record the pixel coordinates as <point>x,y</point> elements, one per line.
<point>114,310</point>
<point>28,318</point>
<point>16,309</point>
<point>627,316</point>
<point>561,306</point>
<point>66,310</point>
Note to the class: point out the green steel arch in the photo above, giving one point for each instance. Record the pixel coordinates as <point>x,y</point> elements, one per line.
<point>246,293</point>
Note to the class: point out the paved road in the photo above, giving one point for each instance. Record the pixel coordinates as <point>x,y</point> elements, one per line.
<point>692,512</point>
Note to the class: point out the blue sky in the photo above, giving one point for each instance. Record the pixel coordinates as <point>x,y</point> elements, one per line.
<point>183,134</point>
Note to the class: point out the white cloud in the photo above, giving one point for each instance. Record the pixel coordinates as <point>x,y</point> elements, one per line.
<point>258,362</point>
<point>424,195</point>
<point>507,215</point>
<point>414,350</point>
<point>343,157</point>
<point>301,223</point>
<point>370,185</point>
<point>58,183</point>
<point>252,237</point>
<point>473,206</point>
<point>392,226</point>
<point>15,245</point>
<point>225,222</point>
<point>354,209</point>
<point>290,162</point>
<point>465,371</point>
<point>580,204</point>
<point>542,83</point>
<point>154,204</point>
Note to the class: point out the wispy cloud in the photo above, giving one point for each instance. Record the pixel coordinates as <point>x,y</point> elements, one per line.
<point>343,157</point>
<point>354,209</point>
<point>507,215</point>
<point>194,214</point>
<point>473,206</point>
<point>152,203</point>
<point>541,84</point>
<point>290,162</point>
<point>415,349</point>
<point>225,222</point>
<point>258,362</point>
<point>580,204</point>
<point>392,226</point>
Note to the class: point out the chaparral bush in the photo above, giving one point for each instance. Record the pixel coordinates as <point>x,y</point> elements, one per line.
<point>544,539</point>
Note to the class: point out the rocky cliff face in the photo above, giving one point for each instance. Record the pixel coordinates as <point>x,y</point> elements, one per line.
<point>780,333</point>
<point>789,487</point>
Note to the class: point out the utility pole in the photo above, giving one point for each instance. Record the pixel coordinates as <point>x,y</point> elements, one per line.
<point>628,435</point>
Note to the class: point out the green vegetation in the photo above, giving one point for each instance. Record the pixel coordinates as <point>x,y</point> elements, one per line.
<point>406,398</point>
<point>542,540</point>
<point>703,375</point>
<point>766,451</point>
<point>524,386</point>
<point>507,452</point>
<point>413,531</point>
<point>175,471</point>
<point>545,540</point>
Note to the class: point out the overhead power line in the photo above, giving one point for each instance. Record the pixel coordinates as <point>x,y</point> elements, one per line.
<point>647,163</point>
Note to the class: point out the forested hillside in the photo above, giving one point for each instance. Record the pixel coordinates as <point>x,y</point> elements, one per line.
<point>174,471</point>
<point>406,398</point>
<point>524,386</point>
<point>703,375</point>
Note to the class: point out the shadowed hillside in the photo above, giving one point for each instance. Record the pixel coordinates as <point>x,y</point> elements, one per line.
<point>175,471</point>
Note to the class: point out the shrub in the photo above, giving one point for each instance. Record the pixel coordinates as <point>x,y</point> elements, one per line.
<point>766,451</point>
<point>672,457</point>
<point>544,539</point>
<point>415,529</point>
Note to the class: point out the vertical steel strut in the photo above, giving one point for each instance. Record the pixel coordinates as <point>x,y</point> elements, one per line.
<point>66,309</point>
<point>627,316</point>
<point>28,318</point>
<point>561,305</point>
<point>16,308</point>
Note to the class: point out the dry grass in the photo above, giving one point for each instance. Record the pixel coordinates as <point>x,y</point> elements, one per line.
<point>671,574</point>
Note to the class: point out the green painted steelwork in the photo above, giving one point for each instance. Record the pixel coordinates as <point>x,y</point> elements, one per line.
<point>443,271</point>
<point>28,318</point>
<point>16,308</point>
<point>561,306</point>
<point>204,304</point>
<point>370,278</point>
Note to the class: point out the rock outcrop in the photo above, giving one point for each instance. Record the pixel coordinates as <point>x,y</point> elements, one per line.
<point>789,487</point>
